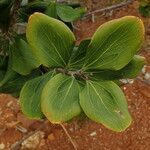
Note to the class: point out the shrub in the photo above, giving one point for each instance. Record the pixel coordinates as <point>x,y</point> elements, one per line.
<point>79,78</point>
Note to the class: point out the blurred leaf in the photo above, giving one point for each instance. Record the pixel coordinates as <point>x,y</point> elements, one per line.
<point>51,10</point>
<point>129,71</point>
<point>3,62</point>
<point>144,2</point>
<point>51,40</point>
<point>60,99</point>
<point>68,14</point>
<point>114,44</point>
<point>30,96</point>
<point>23,59</point>
<point>2,73</point>
<point>105,103</point>
<point>14,85</point>
<point>145,10</point>
<point>30,8</point>
<point>12,82</point>
<point>10,74</point>
<point>5,8</point>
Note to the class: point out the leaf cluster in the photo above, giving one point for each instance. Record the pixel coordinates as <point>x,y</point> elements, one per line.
<point>62,11</point>
<point>15,52</point>
<point>78,78</point>
<point>57,79</point>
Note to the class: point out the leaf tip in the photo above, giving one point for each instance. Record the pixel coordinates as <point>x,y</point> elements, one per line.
<point>34,15</point>
<point>140,23</point>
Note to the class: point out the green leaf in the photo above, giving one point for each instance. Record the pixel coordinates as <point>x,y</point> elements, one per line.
<point>105,103</point>
<point>145,10</point>
<point>30,96</point>
<point>131,70</point>
<point>51,40</point>
<point>81,10</point>
<point>51,10</point>
<point>2,73</point>
<point>114,44</point>
<point>60,99</point>
<point>78,56</point>
<point>10,74</point>
<point>23,59</point>
<point>3,62</point>
<point>68,14</point>
<point>27,10</point>
<point>5,3</point>
<point>5,7</point>
<point>16,82</point>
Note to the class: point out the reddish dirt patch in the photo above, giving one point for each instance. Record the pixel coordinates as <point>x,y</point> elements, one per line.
<point>87,134</point>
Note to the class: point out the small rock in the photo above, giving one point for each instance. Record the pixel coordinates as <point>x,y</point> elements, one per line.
<point>147,76</point>
<point>51,137</point>
<point>144,69</point>
<point>130,81</point>
<point>71,129</point>
<point>33,141</point>
<point>2,146</point>
<point>124,88</point>
<point>93,133</point>
<point>127,81</point>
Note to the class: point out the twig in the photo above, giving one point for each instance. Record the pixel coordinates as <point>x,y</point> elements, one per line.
<point>17,145</point>
<point>71,140</point>
<point>125,3</point>
<point>144,81</point>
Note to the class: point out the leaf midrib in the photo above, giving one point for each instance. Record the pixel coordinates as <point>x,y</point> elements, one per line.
<point>51,43</point>
<point>104,42</point>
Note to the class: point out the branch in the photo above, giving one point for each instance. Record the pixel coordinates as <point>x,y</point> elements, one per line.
<point>71,140</point>
<point>17,145</point>
<point>125,3</point>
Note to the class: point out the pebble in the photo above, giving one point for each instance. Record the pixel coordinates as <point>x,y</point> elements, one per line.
<point>71,129</point>
<point>2,146</point>
<point>93,133</point>
<point>127,81</point>
<point>144,69</point>
<point>147,76</point>
<point>51,137</point>
<point>124,88</point>
<point>33,141</point>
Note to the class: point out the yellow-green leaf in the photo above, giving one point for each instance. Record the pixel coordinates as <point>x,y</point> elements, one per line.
<point>51,40</point>
<point>30,96</point>
<point>69,14</point>
<point>23,59</point>
<point>114,44</point>
<point>60,99</point>
<point>105,103</point>
<point>131,70</point>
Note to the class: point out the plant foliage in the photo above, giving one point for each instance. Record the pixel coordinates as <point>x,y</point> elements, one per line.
<point>144,8</point>
<point>80,77</point>
<point>18,63</point>
<point>57,79</point>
